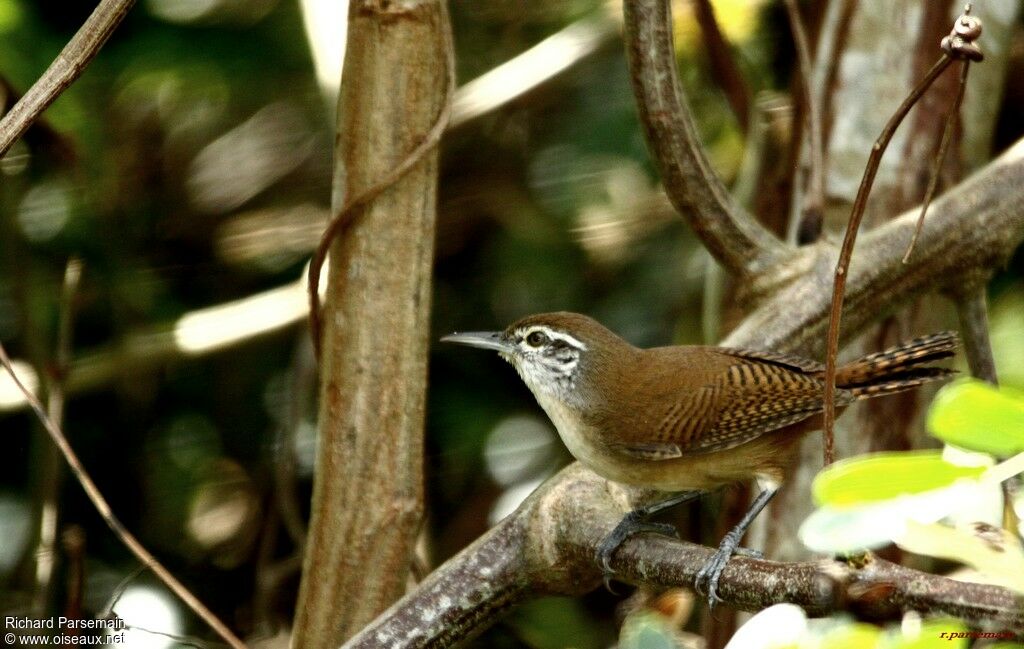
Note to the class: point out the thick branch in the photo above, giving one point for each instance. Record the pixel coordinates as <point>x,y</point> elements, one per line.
<point>734,237</point>
<point>548,545</point>
<point>368,488</point>
<point>67,67</point>
<point>976,225</point>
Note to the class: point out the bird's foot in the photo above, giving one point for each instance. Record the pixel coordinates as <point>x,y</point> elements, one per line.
<point>706,581</point>
<point>632,523</point>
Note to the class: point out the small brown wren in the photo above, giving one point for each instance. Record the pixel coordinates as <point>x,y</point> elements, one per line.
<point>688,419</point>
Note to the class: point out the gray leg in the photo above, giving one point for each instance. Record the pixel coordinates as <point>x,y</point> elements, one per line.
<point>636,522</point>
<point>706,582</point>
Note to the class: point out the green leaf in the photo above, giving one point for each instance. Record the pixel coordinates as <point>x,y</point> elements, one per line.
<point>880,476</point>
<point>979,417</point>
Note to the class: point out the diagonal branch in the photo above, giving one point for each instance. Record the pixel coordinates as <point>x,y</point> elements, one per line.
<point>103,509</point>
<point>64,70</point>
<point>733,236</point>
<point>547,546</point>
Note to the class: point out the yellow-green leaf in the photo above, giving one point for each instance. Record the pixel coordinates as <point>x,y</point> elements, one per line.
<point>979,416</point>
<point>880,476</point>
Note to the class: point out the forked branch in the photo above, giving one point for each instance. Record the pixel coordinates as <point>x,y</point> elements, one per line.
<point>733,236</point>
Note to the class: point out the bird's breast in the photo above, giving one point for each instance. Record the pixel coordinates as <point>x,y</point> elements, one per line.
<point>767,456</point>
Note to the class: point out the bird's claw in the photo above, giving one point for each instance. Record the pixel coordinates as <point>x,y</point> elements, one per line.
<point>706,580</point>
<point>626,528</point>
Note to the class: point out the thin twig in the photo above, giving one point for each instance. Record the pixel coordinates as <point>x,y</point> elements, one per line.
<point>724,70</point>
<point>55,399</point>
<point>940,157</point>
<point>959,44</point>
<point>846,252</point>
<point>119,590</point>
<point>347,215</point>
<point>813,209</point>
<point>64,70</point>
<point>103,508</point>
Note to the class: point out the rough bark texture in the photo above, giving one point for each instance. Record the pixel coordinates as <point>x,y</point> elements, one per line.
<point>368,491</point>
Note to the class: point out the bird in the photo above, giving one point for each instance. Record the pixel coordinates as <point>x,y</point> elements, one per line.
<point>687,419</point>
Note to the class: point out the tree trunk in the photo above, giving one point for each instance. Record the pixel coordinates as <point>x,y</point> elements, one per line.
<point>368,489</point>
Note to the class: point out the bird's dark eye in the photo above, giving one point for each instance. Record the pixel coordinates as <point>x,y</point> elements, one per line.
<point>536,339</point>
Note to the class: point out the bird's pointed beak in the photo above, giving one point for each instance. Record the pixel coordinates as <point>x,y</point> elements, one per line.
<point>482,339</point>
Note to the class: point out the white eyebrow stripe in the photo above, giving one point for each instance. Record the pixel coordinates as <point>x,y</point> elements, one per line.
<point>551,333</point>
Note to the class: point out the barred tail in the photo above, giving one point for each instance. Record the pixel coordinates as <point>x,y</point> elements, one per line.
<point>898,368</point>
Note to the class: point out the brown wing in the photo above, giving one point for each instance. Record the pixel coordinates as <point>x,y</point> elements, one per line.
<point>743,396</point>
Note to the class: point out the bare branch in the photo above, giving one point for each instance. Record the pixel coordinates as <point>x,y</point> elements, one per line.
<point>972,307</point>
<point>734,237</point>
<point>115,525</point>
<point>349,212</point>
<point>947,135</point>
<point>64,70</point>
<point>548,544</point>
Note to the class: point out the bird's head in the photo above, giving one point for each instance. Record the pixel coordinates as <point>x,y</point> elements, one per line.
<point>556,354</point>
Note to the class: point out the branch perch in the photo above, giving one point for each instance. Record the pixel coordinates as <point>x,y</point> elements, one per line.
<point>547,547</point>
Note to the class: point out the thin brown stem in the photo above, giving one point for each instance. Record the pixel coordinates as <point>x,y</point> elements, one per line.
<point>65,69</point>
<point>105,512</point>
<point>724,70</point>
<point>733,236</point>
<point>813,209</point>
<point>940,157</point>
<point>46,552</point>
<point>348,214</point>
<point>846,252</point>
